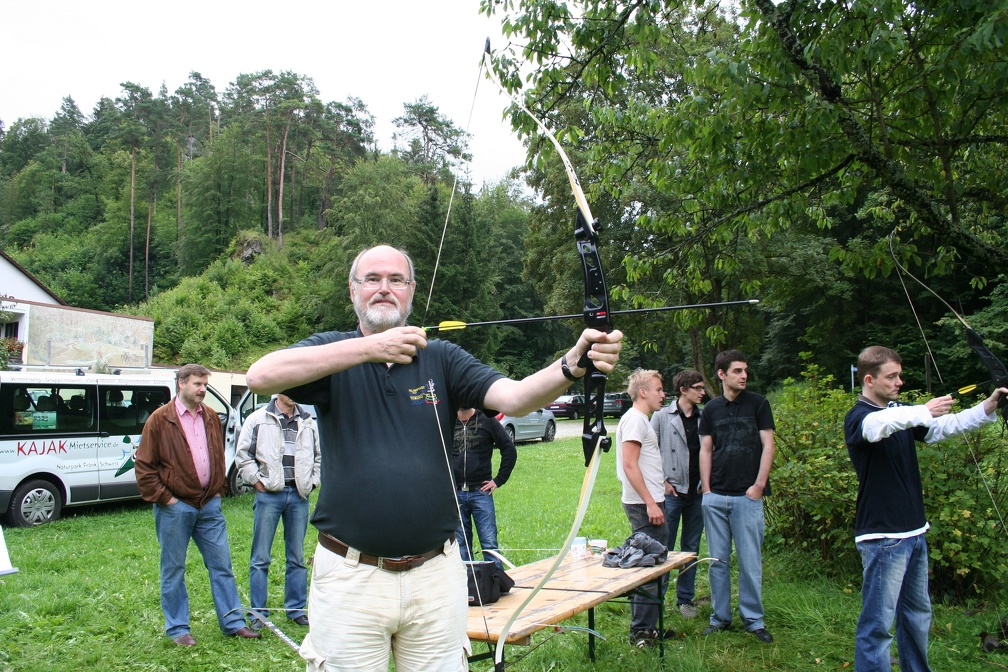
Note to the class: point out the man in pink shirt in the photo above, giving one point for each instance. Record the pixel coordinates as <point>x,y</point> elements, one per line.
<point>180,468</point>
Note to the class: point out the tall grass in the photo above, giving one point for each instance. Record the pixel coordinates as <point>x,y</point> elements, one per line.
<point>87,596</point>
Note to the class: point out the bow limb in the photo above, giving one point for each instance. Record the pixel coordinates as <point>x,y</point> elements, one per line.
<point>596,316</point>
<point>579,196</point>
<point>998,372</point>
<point>586,489</point>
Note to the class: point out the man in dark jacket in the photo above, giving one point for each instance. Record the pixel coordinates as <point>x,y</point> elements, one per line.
<point>476,436</point>
<point>180,468</point>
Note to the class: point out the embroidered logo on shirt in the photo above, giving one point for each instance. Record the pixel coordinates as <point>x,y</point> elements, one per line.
<point>424,395</point>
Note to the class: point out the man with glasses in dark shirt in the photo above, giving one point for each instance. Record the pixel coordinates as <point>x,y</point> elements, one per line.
<point>387,577</point>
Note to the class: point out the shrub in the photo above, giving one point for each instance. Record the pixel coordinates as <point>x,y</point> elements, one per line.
<point>964,491</point>
<point>814,486</point>
<point>10,350</point>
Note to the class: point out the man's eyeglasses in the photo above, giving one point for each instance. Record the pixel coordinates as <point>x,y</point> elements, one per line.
<point>375,282</point>
<point>699,387</point>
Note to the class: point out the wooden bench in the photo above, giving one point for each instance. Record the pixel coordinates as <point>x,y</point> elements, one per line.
<point>578,585</point>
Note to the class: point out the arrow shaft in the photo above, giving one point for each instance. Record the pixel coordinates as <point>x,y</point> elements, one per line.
<point>573,316</point>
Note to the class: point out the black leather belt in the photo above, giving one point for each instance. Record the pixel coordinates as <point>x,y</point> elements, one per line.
<point>388,564</point>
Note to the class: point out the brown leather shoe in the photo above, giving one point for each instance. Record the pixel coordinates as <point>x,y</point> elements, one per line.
<point>246,633</point>
<point>185,640</point>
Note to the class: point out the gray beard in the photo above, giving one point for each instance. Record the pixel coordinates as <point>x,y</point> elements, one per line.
<point>378,318</point>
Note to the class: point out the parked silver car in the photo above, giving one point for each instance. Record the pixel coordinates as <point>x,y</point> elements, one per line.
<point>540,424</point>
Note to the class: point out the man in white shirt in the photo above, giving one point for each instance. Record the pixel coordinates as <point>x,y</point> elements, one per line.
<point>639,468</point>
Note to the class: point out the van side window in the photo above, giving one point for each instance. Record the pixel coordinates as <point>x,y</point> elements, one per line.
<point>35,410</point>
<point>124,410</point>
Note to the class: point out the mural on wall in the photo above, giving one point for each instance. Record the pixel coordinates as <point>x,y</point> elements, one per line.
<point>59,336</point>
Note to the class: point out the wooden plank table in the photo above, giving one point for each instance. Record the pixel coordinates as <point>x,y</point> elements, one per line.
<point>578,585</point>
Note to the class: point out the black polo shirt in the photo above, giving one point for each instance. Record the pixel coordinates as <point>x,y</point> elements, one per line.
<point>735,427</point>
<point>386,485</point>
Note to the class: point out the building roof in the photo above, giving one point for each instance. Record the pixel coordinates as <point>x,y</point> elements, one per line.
<point>31,278</point>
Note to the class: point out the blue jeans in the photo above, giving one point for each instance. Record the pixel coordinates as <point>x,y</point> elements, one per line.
<point>268,509</point>
<point>175,526</point>
<point>689,509</point>
<point>644,611</point>
<point>894,587</point>
<point>477,507</point>
<point>737,519</point>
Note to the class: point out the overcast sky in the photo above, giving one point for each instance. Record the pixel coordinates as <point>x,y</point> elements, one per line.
<point>385,52</point>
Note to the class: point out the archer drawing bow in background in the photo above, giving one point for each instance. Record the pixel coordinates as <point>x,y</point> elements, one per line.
<point>998,371</point>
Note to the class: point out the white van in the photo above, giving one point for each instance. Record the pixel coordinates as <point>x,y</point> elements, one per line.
<point>68,440</point>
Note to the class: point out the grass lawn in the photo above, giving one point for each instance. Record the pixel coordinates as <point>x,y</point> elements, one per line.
<point>87,598</point>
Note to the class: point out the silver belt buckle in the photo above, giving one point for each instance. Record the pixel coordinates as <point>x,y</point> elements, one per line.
<point>381,562</point>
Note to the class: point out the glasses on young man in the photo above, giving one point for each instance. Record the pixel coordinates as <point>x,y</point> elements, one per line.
<point>699,387</point>
<point>375,281</point>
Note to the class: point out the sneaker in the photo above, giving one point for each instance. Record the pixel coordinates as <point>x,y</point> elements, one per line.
<point>687,610</point>
<point>762,635</point>
<point>644,638</point>
<point>711,629</point>
<point>256,624</point>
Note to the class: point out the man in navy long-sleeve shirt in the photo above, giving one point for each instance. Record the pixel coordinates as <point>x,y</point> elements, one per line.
<point>889,519</point>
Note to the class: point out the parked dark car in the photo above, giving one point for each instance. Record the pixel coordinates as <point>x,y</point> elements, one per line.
<point>616,404</point>
<point>536,425</point>
<point>568,406</point>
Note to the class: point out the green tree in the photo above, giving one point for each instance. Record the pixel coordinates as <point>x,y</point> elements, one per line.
<point>195,108</point>
<point>433,143</point>
<point>722,133</point>
<point>20,143</point>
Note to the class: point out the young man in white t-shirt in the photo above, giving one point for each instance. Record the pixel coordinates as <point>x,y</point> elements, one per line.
<point>639,468</point>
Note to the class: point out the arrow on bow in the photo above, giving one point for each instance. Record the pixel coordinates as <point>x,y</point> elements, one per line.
<point>451,325</point>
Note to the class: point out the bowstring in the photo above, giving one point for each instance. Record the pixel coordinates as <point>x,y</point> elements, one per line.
<point>451,199</point>
<point>437,420</point>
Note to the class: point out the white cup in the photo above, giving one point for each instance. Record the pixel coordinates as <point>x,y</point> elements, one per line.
<point>598,546</point>
<point>579,548</point>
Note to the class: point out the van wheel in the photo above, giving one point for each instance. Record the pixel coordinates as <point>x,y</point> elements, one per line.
<point>34,503</point>
<point>236,484</point>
